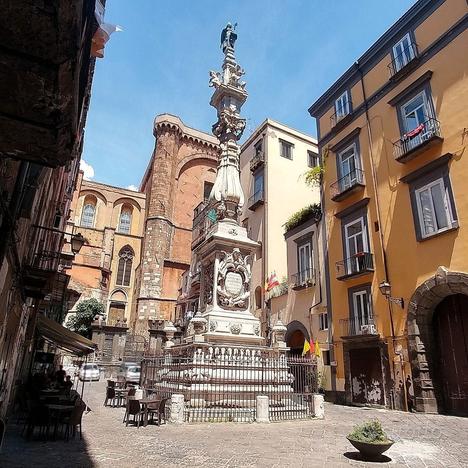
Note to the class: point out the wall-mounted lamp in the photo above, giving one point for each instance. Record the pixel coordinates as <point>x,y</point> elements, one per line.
<point>386,290</point>
<point>77,241</point>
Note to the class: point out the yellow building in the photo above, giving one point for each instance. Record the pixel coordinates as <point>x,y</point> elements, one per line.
<point>273,162</point>
<point>392,133</point>
<point>111,219</point>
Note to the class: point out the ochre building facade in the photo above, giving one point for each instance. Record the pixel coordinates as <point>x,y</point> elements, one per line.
<point>111,219</point>
<point>392,133</point>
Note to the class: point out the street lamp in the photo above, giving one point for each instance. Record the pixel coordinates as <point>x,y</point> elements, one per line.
<point>386,290</point>
<point>77,241</point>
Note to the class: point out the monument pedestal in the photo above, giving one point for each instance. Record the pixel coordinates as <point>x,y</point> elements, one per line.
<point>225,286</point>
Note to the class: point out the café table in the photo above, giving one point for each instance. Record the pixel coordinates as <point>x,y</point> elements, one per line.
<point>145,403</point>
<point>57,411</point>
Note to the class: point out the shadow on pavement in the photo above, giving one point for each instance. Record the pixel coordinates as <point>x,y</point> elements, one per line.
<point>358,457</point>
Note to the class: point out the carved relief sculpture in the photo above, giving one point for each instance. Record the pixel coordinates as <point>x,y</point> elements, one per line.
<point>233,282</point>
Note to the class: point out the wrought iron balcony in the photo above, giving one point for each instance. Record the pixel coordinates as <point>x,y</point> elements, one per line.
<point>43,260</point>
<point>404,61</point>
<point>204,217</point>
<point>417,140</point>
<point>358,264</point>
<point>359,327</point>
<point>256,200</point>
<point>304,278</point>
<point>347,185</point>
<point>257,161</point>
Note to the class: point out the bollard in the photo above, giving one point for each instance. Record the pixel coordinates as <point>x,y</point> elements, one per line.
<point>262,409</point>
<point>177,409</point>
<point>319,409</point>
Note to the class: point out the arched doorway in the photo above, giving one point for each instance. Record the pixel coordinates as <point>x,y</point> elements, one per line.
<point>450,325</point>
<point>428,346</point>
<point>295,336</point>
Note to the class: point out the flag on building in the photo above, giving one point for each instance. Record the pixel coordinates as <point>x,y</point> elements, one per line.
<point>272,282</point>
<point>317,352</point>
<point>306,348</point>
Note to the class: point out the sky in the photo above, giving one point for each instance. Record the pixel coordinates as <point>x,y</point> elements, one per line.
<point>292,51</point>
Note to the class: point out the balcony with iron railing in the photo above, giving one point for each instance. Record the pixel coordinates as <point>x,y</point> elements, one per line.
<point>359,327</point>
<point>257,161</point>
<point>256,200</point>
<point>359,264</point>
<point>414,142</point>
<point>404,62</point>
<point>42,261</point>
<point>347,185</point>
<point>204,216</point>
<point>303,279</point>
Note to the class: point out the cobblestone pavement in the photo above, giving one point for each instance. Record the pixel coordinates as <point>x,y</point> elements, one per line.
<point>421,441</point>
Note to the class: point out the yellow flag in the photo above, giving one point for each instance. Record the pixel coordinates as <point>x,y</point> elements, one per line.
<point>306,348</point>
<point>318,353</point>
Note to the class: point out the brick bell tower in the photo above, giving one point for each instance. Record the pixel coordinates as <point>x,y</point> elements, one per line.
<point>182,166</point>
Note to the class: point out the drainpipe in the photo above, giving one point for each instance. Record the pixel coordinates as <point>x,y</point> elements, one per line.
<point>381,238</point>
<point>264,234</point>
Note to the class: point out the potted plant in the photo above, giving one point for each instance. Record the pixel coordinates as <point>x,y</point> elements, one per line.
<point>370,439</point>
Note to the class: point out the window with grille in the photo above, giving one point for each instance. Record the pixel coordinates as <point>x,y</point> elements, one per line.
<point>124,270</point>
<point>87,215</point>
<point>125,221</point>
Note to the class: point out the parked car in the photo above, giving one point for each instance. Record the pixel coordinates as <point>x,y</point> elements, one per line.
<point>130,371</point>
<point>71,370</point>
<point>90,372</point>
<point>132,374</point>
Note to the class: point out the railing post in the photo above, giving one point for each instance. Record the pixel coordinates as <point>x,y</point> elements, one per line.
<point>177,409</point>
<point>263,408</point>
<point>319,408</point>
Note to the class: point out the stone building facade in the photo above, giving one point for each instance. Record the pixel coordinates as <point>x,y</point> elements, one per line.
<point>111,219</point>
<point>179,177</point>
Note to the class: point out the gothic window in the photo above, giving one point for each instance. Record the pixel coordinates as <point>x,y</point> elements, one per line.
<point>125,266</point>
<point>125,220</point>
<point>88,213</point>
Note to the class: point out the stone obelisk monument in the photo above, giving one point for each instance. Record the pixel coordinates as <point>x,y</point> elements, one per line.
<point>225,255</point>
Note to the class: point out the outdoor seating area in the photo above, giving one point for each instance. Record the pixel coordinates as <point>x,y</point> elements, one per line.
<point>139,410</point>
<point>51,414</point>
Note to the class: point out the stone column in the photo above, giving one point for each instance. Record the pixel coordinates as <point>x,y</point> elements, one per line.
<point>263,415</point>
<point>177,409</point>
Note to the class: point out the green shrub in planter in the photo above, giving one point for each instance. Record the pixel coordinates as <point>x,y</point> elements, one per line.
<point>370,432</point>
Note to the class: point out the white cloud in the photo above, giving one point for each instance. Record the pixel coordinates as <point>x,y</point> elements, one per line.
<point>132,187</point>
<point>87,169</point>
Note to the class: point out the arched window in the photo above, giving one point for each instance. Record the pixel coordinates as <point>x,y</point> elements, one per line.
<point>125,220</point>
<point>124,271</point>
<point>88,213</point>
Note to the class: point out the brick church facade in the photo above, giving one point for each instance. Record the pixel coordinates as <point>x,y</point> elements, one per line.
<point>179,177</point>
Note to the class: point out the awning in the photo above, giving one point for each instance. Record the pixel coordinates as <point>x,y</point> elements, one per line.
<point>63,337</point>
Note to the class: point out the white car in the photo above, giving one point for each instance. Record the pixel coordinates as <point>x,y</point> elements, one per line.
<point>132,374</point>
<point>90,372</point>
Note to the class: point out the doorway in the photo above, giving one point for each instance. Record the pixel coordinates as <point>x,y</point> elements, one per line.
<point>450,325</point>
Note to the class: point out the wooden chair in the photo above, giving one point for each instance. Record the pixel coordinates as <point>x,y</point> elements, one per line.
<point>133,408</point>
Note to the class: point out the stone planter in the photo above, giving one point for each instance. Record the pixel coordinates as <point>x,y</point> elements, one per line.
<point>371,450</point>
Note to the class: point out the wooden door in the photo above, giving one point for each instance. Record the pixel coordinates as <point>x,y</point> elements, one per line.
<point>451,329</point>
<point>366,376</point>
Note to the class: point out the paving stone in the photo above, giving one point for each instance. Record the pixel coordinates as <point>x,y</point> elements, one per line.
<point>421,440</point>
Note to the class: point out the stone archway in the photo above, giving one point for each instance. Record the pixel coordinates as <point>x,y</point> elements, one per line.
<point>295,335</point>
<point>421,343</point>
